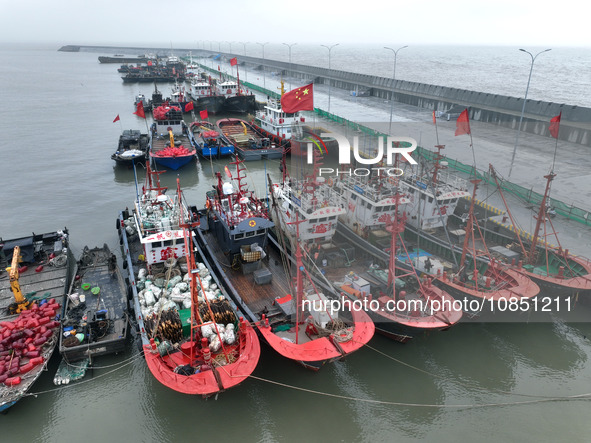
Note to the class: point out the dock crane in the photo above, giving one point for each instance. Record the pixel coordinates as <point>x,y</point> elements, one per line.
<point>20,302</point>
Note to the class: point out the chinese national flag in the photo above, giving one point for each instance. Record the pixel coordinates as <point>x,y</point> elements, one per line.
<point>434,119</point>
<point>203,114</point>
<point>463,123</point>
<point>189,107</point>
<point>233,61</point>
<point>140,110</point>
<point>300,99</point>
<point>555,125</point>
<point>116,119</point>
<point>227,171</point>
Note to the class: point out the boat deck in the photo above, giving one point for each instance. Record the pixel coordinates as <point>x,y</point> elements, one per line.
<point>256,297</point>
<point>159,142</point>
<point>105,311</point>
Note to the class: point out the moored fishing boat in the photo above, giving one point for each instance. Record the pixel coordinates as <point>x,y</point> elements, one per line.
<point>132,147</point>
<point>237,99</point>
<point>237,235</point>
<point>32,291</point>
<point>95,318</point>
<point>401,304</point>
<point>170,142</point>
<point>209,142</point>
<point>203,96</point>
<point>249,143</point>
<point>194,338</point>
<point>553,268</point>
<point>491,284</point>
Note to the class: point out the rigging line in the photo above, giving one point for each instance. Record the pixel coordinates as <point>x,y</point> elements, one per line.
<point>35,394</point>
<point>422,405</point>
<point>133,357</point>
<point>466,385</point>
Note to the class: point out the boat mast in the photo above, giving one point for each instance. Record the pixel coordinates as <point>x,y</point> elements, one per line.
<point>470,233</point>
<point>541,217</point>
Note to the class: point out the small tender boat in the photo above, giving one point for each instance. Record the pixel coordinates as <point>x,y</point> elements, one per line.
<point>132,147</point>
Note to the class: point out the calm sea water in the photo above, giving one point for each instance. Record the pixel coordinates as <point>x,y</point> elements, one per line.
<point>56,171</point>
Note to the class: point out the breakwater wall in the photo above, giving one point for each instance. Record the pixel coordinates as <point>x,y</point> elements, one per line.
<point>495,109</point>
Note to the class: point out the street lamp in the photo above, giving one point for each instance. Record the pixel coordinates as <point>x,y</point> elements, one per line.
<point>245,70</point>
<point>264,79</point>
<point>329,82</point>
<point>533,59</point>
<point>289,46</point>
<point>395,51</point>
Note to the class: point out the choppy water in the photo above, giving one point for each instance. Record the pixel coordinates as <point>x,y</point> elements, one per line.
<point>56,171</point>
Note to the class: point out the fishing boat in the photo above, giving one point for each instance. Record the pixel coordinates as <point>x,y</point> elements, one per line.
<point>119,58</point>
<point>35,274</point>
<point>552,267</point>
<point>194,338</point>
<point>308,204</point>
<point>481,278</point>
<point>249,143</point>
<point>295,322</point>
<point>95,318</point>
<point>237,99</point>
<point>203,96</point>
<point>170,142</point>
<point>276,124</point>
<point>132,147</point>
<point>353,261</point>
<point>209,142</point>
<point>401,303</point>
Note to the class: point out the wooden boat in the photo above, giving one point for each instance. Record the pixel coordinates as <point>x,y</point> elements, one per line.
<point>32,292</point>
<point>185,349</point>
<point>209,142</point>
<point>236,234</point>
<point>170,139</point>
<point>132,147</point>
<point>95,320</point>
<point>249,143</point>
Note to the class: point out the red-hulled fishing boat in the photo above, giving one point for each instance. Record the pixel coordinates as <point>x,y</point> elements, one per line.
<point>206,347</point>
<point>302,328</point>
<point>552,267</point>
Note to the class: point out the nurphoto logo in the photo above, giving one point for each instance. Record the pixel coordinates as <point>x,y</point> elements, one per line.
<point>394,145</point>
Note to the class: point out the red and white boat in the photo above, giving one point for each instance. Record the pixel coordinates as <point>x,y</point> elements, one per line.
<point>194,339</point>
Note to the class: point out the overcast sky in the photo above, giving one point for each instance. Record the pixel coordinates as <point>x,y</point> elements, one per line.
<point>186,22</point>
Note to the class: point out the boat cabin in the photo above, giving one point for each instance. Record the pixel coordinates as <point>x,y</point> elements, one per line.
<point>276,122</point>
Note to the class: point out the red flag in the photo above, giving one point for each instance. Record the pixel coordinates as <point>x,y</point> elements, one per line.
<point>203,114</point>
<point>300,99</point>
<point>219,68</point>
<point>555,125</point>
<point>434,120</point>
<point>140,110</point>
<point>233,61</point>
<point>116,119</point>
<point>149,62</point>
<point>463,123</point>
<point>227,170</point>
<point>189,107</point>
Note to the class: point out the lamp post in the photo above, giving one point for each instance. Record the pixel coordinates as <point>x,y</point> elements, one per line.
<point>245,70</point>
<point>289,46</point>
<point>533,59</point>
<point>395,51</point>
<point>264,79</point>
<point>329,82</point>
